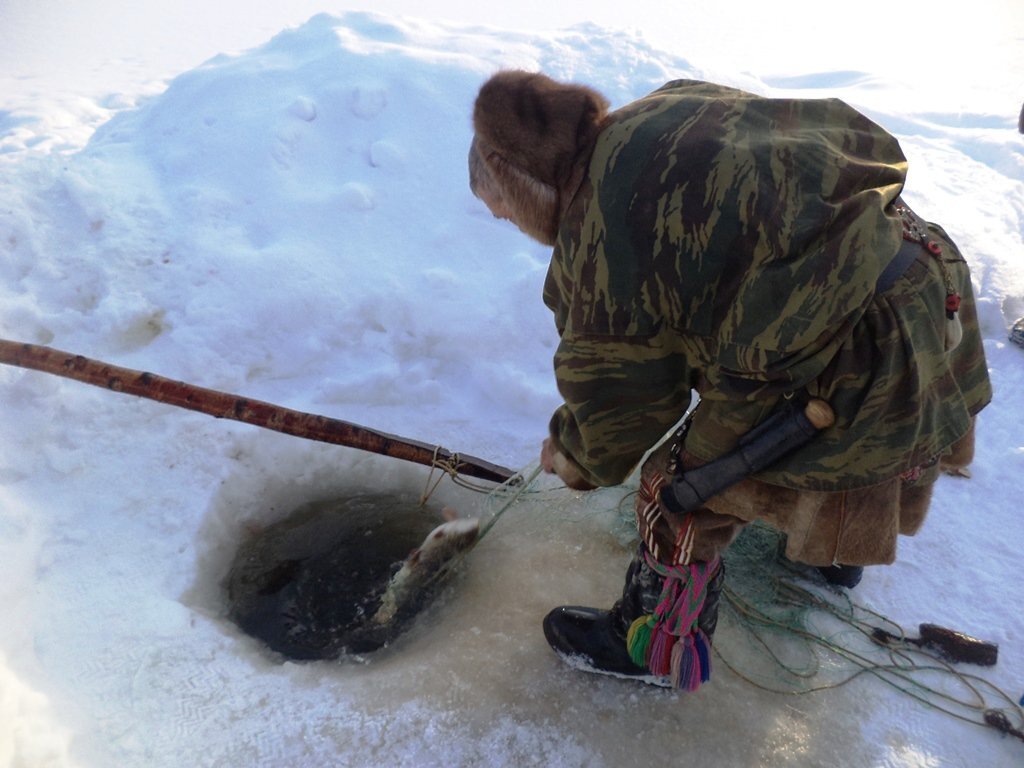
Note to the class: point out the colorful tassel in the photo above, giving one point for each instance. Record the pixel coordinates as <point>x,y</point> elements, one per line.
<point>677,663</point>
<point>638,639</point>
<point>659,657</point>
<point>703,646</point>
<point>686,669</point>
<point>669,643</point>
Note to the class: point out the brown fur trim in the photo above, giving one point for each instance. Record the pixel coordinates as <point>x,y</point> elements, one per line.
<point>858,527</point>
<point>532,133</point>
<point>961,453</point>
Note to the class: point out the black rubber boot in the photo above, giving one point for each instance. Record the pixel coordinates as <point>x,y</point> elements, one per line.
<point>848,576</point>
<point>594,640</point>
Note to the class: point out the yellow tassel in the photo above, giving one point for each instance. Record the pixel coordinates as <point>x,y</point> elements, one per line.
<point>638,638</point>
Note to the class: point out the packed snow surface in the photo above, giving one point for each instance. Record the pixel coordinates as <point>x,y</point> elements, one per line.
<point>293,224</point>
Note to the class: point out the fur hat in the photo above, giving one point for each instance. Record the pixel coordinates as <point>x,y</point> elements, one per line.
<point>532,135</point>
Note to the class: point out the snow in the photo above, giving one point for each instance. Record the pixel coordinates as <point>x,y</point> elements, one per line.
<point>292,222</point>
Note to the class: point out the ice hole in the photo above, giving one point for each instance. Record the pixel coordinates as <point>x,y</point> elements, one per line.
<point>299,550</point>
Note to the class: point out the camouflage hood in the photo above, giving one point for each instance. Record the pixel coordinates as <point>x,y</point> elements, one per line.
<point>729,243</point>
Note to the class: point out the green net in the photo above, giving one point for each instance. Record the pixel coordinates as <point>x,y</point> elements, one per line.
<point>782,628</point>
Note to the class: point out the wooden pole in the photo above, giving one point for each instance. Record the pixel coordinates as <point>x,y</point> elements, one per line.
<point>222,405</point>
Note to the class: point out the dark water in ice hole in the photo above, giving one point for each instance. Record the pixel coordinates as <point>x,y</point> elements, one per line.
<point>306,585</point>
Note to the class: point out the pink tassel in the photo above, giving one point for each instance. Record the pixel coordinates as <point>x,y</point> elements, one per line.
<point>677,658</point>
<point>659,656</point>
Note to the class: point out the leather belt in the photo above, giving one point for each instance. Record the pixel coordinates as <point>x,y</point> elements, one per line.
<point>910,248</point>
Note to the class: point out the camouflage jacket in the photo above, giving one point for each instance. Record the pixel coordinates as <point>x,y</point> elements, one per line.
<point>731,244</point>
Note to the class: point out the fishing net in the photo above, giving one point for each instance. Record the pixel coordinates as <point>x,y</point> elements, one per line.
<point>783,629</point>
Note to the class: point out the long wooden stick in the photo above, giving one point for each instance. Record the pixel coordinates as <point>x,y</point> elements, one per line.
<point>222,405</point>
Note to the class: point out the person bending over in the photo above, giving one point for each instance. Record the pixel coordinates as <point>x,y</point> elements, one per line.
<point>754,251</point>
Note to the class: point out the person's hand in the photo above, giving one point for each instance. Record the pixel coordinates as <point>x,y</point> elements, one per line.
<point>555,462</point>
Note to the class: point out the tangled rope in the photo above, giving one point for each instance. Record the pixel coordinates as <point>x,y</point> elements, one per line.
<point>448,466</point>
<point>505,495</point>
<point>775,610</point>
<point>774,607</point>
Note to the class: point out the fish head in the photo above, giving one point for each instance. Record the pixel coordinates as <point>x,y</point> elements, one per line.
<point>425,569</point>
<point>445,542</point>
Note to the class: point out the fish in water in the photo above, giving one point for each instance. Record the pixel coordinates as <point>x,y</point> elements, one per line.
<point>343,576</point>
<point>426,565</point>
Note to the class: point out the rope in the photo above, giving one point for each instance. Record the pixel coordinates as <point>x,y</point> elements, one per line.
<point>436,463</point>
<point>523,485</point>
<point>449,467</point>
<point>769,606</point>
<point>773,618</point>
